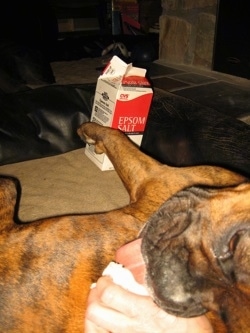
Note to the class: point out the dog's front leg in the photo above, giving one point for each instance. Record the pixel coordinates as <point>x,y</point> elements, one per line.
<point>132,166</point>
<point>150,183</point>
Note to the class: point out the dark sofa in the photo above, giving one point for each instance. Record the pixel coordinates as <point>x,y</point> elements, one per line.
<point>43,122</point>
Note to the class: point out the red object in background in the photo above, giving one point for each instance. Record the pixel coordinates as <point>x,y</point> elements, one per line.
<point>128,14</point>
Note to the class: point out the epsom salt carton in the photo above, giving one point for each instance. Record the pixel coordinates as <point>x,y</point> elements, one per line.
<point>122,100</point>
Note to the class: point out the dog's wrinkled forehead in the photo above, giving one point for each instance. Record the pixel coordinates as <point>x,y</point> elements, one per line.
<point>196,243</point>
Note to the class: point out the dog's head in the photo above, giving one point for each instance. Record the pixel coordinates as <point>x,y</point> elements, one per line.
<point>197,251</point>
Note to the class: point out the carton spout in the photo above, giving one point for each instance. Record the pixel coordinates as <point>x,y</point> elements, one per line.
<point>116,67</point>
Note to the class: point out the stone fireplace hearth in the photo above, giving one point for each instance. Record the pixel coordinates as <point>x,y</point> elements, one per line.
<point>187,32</point>
<point>209,34</point>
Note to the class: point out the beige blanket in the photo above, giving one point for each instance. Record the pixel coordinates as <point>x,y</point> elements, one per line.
<point>65,184</point>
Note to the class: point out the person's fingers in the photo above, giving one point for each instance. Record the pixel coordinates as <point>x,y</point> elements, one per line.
<point>90,327</point>
<point>150,319</point>
<point>110,320</point>
<point>117,297</point>
<point>99,316</point>
<point>119,311</point>
<point>93,295</point>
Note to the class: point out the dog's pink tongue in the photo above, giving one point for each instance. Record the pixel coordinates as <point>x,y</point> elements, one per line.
<point>130,256</point>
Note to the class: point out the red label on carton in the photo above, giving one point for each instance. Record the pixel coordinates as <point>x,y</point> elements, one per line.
<point>135,81</point>
<point>130,116</point>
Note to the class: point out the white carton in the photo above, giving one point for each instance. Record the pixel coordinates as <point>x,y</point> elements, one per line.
<point>122,100</point>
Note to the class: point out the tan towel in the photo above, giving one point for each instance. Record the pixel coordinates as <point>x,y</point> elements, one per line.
<point>64,184</point>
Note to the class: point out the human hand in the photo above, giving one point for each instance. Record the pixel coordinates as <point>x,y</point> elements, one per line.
<point>112,309</point>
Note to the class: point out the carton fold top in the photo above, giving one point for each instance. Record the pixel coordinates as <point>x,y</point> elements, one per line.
<point>117,68</point>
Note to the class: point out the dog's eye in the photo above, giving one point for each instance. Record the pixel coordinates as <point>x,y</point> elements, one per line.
<point>226,257</point>
<point>229,249</point>
<point>229,246</point>
<point>234,241</point>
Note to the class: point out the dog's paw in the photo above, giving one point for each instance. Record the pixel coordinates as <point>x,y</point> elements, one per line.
<point>88,132</point>
<point>88,140</point>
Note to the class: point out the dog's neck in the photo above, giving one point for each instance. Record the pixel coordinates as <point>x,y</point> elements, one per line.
<point>234,309</point>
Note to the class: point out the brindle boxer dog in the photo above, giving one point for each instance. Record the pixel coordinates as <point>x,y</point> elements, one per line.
<point>47,266</point>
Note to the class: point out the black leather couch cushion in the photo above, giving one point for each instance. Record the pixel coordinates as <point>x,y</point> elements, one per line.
<point>180,132</point>
<point>42,122</point>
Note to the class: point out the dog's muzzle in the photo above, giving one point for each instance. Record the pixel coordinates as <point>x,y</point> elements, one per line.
<point>196,249</point>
